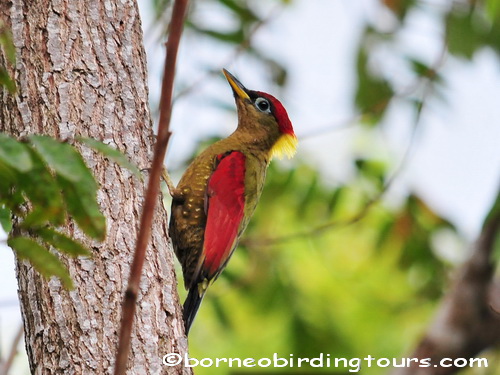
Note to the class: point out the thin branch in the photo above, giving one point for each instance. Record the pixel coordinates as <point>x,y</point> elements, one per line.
<point>242,47</point>
<point>427,80</point>
<point>333,126</point>
<point>153,189</point>
<point>320,229</point>
<point>5,368</point>
<point>324,227</point>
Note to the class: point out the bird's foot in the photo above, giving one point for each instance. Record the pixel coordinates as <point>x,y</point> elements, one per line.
<point>174,192</point>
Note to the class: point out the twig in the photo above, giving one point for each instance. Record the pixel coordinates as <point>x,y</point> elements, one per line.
<point>153,189</point>
<point>339,223</point>
<point>5,368</point>
<point>427,79</point>
<point>243,46</point>
<point>334,126</point>
<point>322,227</point>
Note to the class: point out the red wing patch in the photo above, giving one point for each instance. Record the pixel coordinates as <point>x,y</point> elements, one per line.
<point>225,205</point>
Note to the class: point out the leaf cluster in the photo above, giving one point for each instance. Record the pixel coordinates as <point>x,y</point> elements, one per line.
<point>334,290</point>
<point>473,26</point>
<point>245,22</point>
<point>469,26</point>
<point>42,183</point>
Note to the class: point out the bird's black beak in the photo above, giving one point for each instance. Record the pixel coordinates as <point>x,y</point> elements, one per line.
<point>238,89</point>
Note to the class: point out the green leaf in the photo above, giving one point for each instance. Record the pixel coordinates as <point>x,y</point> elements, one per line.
<point>462,38</point>
<point>5,219</point>
<point>14,153</point>
<point>493,36</point>
<point>40,216</point>
<point>424,70</point>
<point>399,7</point>
<point>243,12</point>
<point>62,242</point>
<point>235,36</point>
<point>373,93</point>
<point>77,183</point>
<point>78,186</point>
<point>6,81</point>
<point>112,154</point>
<point>469,31</point>
<point>63,159</point>
<point>82,206</point>
<point>42,190</point>
<point>41,259</point>
<point>8,178</point>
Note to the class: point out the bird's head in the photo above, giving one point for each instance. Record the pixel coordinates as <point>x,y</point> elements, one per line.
<point>264,118</point>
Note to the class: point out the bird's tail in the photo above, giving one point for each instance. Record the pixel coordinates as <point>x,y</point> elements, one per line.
<point>191,305</point>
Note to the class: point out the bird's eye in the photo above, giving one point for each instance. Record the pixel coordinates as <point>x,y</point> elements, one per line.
<point>263,105</point>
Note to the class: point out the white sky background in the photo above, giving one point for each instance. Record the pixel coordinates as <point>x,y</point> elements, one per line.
<point>455,164</point>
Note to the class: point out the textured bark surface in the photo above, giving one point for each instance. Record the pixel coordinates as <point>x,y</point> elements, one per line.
<point>81,70</point>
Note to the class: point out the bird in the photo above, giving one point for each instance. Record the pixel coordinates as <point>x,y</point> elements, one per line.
<point>217,194</point>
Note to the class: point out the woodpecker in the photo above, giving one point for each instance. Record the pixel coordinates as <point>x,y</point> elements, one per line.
<point>215,198</point>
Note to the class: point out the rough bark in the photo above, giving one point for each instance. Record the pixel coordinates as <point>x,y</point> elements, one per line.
<point>81,70</point>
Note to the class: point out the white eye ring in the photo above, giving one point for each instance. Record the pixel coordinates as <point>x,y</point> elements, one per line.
<point>263,105</point>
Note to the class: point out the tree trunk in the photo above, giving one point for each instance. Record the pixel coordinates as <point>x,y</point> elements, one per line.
<point>81,70</point>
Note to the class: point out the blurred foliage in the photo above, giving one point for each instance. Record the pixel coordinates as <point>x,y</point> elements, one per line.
<point>308,276</point>
<point>42,182</point>
<point>366,288</point>
<point>469,27</point>
<point>348,289</point>
<point>373,92</point>
<point>247,22</point>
